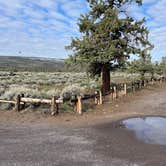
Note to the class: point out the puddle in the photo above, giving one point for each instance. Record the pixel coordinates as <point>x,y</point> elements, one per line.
<point>151,130</point>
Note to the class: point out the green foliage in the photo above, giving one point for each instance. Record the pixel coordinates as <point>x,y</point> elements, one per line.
<point>163,65</point>
<point>143,64</point>
<point>160,68</point>
<point>109,36</point>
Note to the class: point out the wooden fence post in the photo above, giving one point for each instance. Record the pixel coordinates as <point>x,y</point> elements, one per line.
<point>96,98</point>
<point>57,108</point>
<point>54,106</point>
<point>74,98</point>
<point>100,98</point>
<point>122,90</point>
<point>17,105</point>
<point>79,105</point>
<point>23,105</point>
<point>114,93</point>
<point>125,89</point>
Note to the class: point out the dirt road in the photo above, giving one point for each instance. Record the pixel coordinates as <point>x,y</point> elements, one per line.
<point>91,140</point>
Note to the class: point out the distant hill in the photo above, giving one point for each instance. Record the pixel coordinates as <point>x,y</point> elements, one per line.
<point>14,63</point>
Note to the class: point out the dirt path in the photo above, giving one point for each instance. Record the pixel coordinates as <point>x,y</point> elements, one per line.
<point>92,139</point>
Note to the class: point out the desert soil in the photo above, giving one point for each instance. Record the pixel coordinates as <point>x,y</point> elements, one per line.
<point>93,139</point>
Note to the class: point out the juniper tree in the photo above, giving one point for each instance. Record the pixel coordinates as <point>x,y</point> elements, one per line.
<point>163,66</point>
<point>142,66</point>
<point>160,68</point>
<point>109,36</point>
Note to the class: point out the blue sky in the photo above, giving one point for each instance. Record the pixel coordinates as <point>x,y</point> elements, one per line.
<point>43,27</point>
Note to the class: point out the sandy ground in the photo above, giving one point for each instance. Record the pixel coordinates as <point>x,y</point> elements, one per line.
<point>94,139</point>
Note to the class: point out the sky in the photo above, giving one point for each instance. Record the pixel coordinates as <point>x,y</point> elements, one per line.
<point>42,28</point>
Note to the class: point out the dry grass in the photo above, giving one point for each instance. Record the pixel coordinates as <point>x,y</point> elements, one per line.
<point>45,85</point>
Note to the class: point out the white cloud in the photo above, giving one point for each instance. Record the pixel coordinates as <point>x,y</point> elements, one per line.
<point>136,12</point>
<point>10,7</point>
<point>158,38</point>
<point>32,13</point>
<point>158,28</point>
<point>37,28</point>
<point>74,8</point>
<point>44,27</point>
<point>158,12</point>
<point>155,14</point>
<point>51,4</point>
<point>57,16</point>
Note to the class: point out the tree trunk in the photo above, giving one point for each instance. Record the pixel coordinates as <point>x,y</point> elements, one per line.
<point>105,79</point>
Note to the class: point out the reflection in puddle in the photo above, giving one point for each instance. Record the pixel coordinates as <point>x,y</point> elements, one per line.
<point>149,129</point>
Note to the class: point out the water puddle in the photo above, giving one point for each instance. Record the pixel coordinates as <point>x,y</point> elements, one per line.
<point>148,129</point>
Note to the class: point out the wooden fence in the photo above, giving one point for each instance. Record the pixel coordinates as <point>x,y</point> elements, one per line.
<point>117,91</point>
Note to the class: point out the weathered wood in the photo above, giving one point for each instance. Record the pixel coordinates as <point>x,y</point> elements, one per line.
<point>22,103</point>
<point>75,106</point>
<point>17,103</point>
<point>85,97</point>
<point>125,89</point>
<point>31,100</point>
<point>57,108</point>
<point>73,101</point>
<point>7,101</point>
<point>96,100</point>
<point>100,98</point>
<point>54,106</point>
<point>96,97</point>
<point>114,93</point>
<point>79,105</point>
<point>42,101</point>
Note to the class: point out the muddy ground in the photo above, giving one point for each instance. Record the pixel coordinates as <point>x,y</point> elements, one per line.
<point>94,139</point>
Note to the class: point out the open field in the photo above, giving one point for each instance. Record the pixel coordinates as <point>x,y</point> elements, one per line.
<point>40,85</point>
<point>46,85</point>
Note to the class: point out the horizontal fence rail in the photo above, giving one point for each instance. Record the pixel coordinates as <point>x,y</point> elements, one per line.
<point>7,101</point>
